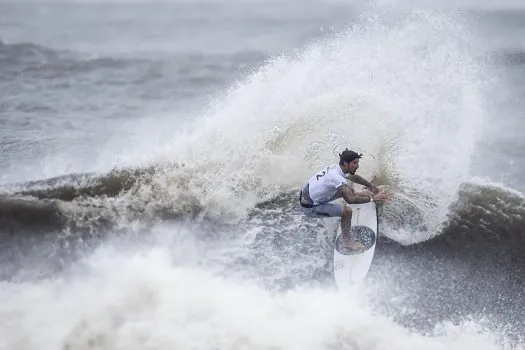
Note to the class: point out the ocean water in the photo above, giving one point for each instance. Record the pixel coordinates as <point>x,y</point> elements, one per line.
<point>152,154</point>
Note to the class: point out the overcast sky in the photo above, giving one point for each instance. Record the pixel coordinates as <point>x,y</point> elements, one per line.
<point>416,3</point>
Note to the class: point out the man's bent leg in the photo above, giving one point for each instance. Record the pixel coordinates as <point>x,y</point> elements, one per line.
<point>346,223</point>
<point>337,210</point>
<point>346,219</point>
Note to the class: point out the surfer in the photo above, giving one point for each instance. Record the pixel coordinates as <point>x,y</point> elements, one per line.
<point>331,183</point>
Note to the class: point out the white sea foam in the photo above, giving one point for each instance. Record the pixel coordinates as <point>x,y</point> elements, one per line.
<point>408,93</point>
<point>145,299</point>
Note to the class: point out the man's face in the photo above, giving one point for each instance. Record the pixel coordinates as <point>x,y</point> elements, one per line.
<point>351,167</point>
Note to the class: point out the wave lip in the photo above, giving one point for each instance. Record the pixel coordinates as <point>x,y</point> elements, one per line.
<point>491,212</point>
<point>92,201</point>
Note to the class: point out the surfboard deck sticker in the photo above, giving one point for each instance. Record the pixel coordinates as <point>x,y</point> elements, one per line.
<point>352,265</point>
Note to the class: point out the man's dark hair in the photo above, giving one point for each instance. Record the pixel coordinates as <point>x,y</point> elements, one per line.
<point>347,156</point>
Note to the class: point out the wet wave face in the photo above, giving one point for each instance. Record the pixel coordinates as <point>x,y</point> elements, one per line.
<point>473,266</point>
<point>467,272</point>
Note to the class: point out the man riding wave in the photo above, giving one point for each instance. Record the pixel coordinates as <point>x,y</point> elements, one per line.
<point>330,184</point>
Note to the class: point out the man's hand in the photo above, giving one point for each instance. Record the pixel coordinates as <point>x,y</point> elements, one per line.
<point>380,197</point>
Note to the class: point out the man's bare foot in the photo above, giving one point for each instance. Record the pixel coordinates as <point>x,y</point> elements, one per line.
<point>353,245</point>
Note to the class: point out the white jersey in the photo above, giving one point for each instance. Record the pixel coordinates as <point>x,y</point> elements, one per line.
<point>325,186</point>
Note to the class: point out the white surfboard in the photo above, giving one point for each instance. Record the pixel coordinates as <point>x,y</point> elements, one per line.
<point>351,266</point>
